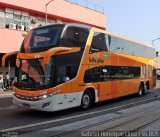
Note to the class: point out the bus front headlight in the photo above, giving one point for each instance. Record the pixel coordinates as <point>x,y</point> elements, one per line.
<point>43,97</point>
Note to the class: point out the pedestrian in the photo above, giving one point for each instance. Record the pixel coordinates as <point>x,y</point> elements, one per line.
<point>7,80</point>
<point>1,80</point>
<point>11,83</point>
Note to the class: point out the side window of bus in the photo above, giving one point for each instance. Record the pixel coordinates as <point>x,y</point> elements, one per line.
<point>109,73</point>
<point>64,74</point>
<point>98,43</point>
<point>154,73</point>
<point>75,37</point>
<point>97,74</point>
<point>105,73</point>
<point>92,75</point>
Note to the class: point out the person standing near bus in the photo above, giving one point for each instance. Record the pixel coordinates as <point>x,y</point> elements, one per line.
<point>7,80</point>
<point>1,80</point>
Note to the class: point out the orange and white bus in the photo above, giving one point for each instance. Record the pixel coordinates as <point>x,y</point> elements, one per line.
<point>67,65</point>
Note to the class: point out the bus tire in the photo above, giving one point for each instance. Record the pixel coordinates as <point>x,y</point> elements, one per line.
<point>86,101</point>
<point>141,90</point>
<point>147,87</point>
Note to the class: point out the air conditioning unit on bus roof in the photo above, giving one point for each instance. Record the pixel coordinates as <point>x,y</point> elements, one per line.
<point>20,27</point>
<point>12,26</point>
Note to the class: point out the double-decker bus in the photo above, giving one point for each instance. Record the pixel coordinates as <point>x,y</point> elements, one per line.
<point>68,65</point>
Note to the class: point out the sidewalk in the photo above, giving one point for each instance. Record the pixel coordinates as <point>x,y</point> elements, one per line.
<point>6,93</point>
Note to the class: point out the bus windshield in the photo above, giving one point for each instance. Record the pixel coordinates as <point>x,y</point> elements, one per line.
<point>41,39</point>
<point>44,38</point>
<point>33,74</point>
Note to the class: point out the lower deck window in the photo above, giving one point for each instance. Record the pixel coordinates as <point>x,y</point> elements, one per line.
<point>106,73</point>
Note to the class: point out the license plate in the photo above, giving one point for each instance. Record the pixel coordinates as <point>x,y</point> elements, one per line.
<point>26,105</point>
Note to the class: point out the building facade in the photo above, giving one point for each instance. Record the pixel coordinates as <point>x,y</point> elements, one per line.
<point>17,17</point>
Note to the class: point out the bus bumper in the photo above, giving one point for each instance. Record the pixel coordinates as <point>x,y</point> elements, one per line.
<point>43,105</point>
<point>52,102</point>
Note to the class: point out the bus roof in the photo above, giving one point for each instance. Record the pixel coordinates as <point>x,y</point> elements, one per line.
<point>67,24</point>
<point>96,29</point>
<point>116,35</point>
<point>131,40</point>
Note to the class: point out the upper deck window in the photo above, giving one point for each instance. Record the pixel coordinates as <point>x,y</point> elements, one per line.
<point>124,46</point>
<point>99,42</point>
<point>74,37</point>
<point>42,39</point>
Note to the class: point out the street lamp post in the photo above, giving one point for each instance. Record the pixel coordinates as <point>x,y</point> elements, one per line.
<point>157,52</point>
<point>46,9</point>
<point>154,40</point>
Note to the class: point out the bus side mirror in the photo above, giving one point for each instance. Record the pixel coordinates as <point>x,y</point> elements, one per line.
<point>4,58</point>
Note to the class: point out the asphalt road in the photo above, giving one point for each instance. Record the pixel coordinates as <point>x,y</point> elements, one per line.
<point>13,116</point>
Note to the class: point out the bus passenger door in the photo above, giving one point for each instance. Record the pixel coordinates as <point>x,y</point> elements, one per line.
<point>62,99</point>
<point>64,88</point>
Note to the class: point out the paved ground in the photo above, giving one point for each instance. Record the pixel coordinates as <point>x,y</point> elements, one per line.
<point>138,120</point>
<point>5,93</point>
<point>13,116</point>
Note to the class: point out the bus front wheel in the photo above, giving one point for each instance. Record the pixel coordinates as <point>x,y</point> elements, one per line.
<point>86,101</point>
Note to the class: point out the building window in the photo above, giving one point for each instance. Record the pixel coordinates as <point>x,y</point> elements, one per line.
<point>2,19</point>
<point>17,17</point>
<point>10,17</point>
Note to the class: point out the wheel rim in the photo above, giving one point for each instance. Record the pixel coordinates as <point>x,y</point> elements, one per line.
<point>86,100</point>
